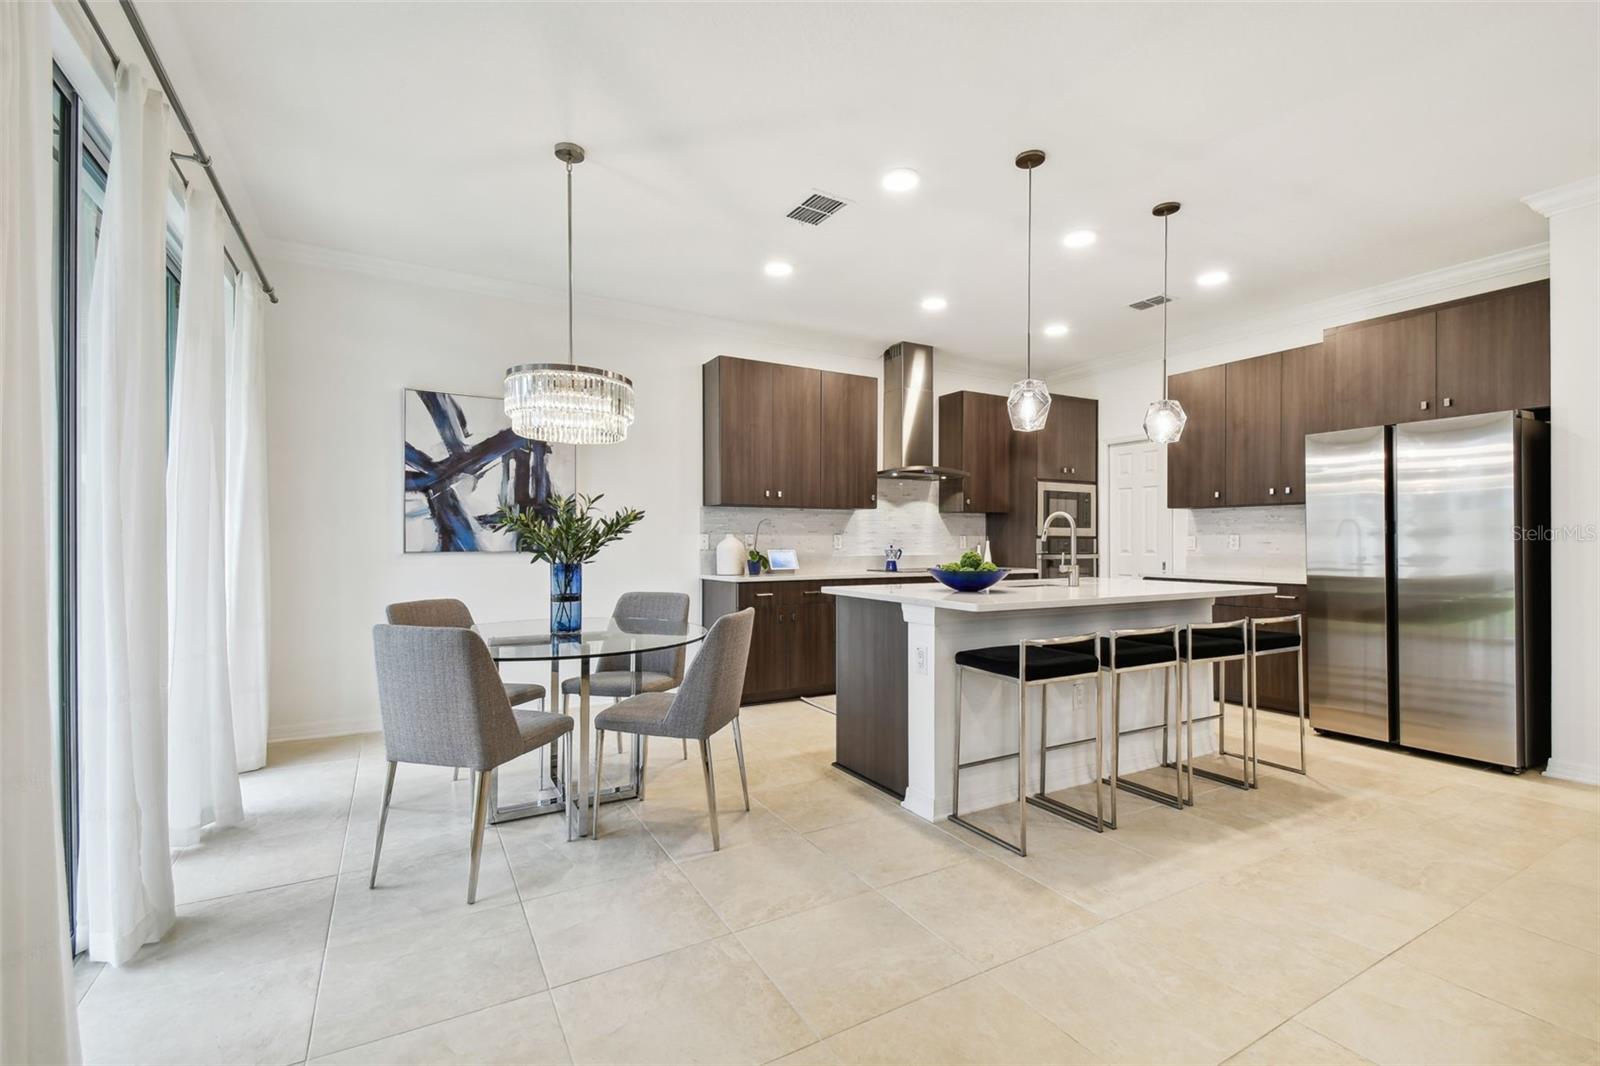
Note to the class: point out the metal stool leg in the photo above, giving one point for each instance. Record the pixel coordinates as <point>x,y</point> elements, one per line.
<point>1042,798</point>
<point>1021,846</point>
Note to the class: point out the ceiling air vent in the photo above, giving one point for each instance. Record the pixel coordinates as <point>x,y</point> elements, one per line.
<point>816,209</point>
<point>1152,301</point>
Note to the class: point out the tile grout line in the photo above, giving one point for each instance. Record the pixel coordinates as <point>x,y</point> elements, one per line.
<point>333,906</point>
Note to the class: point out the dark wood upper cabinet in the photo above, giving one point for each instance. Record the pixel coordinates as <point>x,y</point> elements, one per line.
<point>737,455</point>
<point>849,441</point>
<point>796,434</point>
<point>1197,466</point>
<point>1069,443</point>
<point>1255,388</point>
<point>1494,351</point>
<point>787,436</point>
<point>1382,372</point>
<point>1301,393</point>
<point>975,436</point>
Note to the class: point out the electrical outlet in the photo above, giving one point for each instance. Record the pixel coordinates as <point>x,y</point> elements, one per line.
<point>920,658</point>
<point>1192,544</point>
<point>838,541</point>
<point>1233,542</point>
<point>705,542</point>
<point>749,540</point>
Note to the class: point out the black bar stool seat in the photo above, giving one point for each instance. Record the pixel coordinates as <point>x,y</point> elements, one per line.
<point>1128,651</point>
<point>1136,653</point>
<point>1044,663</point>
<point>1264,641</point>
<point>1207,645</point>
<point>1031,664</point>
<point>1269,640</point>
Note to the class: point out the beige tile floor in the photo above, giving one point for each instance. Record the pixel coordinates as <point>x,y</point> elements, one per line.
<point>1387,908</point>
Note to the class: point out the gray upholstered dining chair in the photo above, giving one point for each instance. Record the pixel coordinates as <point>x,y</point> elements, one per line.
<point>659,671</point>
<point>454,613</point>
<point>707,700</point>
<point>443,704</point>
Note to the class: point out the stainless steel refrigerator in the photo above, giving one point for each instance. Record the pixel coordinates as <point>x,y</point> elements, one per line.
<point>1428,581</point>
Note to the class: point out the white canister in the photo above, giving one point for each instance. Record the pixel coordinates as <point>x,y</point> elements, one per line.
<point>730,555</point>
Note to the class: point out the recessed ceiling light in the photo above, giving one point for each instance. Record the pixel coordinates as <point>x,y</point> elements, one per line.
<point>1055,329</point>
<point>901,179</point>
<point>1211,279</point>
<point>777,268</point>
<point>934,303</point>
<point>1080,238</point>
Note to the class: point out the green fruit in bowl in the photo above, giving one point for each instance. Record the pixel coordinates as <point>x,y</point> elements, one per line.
<point>970,561</point>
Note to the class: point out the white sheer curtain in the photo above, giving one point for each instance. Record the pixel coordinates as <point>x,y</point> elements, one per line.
<point>247,527</point>
<point>38,1018</point>
<point>202,775</point>
<point>125,863</point>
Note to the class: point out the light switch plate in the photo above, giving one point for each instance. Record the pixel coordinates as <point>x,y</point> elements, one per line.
<point>1233,542</point>
<point>838,541</point>
<point>920,658</point>
<point>1192,544</point>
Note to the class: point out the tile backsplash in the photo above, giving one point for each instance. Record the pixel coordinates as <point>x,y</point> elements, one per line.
<point>907,516</point>
<point>1271,543</point>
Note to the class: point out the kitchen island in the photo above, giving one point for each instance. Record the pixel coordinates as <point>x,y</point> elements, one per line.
<point>896,682</point>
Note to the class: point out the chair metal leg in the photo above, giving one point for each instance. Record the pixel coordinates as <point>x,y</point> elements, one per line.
<point>711,792</point>
<point>641,756</point>
<point>599,761</point>
<point>455,773</point>
<point>1022,760</point>
<point>1116,743</point>
<point>569,809</point>
<point>955,770</point>
<point>1186,708</point>
<point>686,750</point>
<point>480,814</point>
<point>383,820</point>
<point>738,749</point>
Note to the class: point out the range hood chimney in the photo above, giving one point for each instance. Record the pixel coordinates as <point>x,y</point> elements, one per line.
<point>908,415</point>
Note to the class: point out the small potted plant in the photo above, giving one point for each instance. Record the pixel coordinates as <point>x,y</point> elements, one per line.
<point>756,562</point>
<point>566,535</point>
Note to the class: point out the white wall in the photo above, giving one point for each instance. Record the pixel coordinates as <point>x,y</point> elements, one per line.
<point>1574,479</point>
<point>348,337</point>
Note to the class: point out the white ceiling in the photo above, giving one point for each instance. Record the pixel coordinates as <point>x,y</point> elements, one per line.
<point>1317,149</point>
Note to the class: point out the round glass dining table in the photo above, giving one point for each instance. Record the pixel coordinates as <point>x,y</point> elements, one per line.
<point>621,639</point>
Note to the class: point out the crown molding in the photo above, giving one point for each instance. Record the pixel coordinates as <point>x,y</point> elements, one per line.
<point>824,341</point>
<point>1585,192</point>
<point>1418,290</point>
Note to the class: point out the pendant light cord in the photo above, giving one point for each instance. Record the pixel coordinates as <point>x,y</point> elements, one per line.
<point>1030,273</point>
<point>1166,228</point>
<point>571,358</point>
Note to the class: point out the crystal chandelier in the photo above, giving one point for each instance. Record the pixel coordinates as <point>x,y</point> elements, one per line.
<point>564,403</point>
<point>1164,419</point>
<point>1028,402</point>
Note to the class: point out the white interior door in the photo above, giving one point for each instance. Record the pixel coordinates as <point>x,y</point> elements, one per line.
<point>1140,537</point>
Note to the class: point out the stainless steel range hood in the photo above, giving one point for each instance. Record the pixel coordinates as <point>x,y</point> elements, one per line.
<point>908,416</point>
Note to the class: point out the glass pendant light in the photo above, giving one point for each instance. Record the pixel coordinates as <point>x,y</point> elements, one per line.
<point>564,403</point>
<point>1028,402</point>
<point>1164,419</point>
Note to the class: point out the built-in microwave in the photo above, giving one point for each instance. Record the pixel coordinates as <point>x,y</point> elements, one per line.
<point>1075,498</point>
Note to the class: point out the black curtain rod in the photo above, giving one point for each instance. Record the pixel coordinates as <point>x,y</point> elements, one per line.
<point>199,156</point>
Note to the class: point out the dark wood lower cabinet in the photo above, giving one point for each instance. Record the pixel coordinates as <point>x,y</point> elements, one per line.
<point>792,647</point>
<point>1276,689</point>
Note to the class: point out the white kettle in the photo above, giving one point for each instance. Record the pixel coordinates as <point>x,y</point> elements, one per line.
<point>730,555</point>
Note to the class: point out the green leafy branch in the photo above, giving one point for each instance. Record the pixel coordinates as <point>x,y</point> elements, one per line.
<point>570,533</point>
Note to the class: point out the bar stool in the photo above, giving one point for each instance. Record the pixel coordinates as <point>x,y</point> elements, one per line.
<point>1216,644</point>
<point>1032,664</point>
<point>1277,642</point>
<point>1128,651</point>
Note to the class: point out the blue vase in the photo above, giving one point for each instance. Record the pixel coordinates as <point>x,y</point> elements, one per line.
<point>566,597</point>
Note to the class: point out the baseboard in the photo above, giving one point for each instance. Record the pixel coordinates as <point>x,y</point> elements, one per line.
<point>320,728</point>
<point>1562,770</point>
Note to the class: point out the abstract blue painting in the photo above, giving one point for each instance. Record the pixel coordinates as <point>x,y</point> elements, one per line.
<point>463,463</point>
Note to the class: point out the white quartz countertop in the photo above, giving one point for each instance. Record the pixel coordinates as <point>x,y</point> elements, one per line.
<point>1046,595</point>
<point>834,573</point>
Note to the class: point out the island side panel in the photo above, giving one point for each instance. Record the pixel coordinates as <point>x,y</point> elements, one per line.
<point>870,687</point>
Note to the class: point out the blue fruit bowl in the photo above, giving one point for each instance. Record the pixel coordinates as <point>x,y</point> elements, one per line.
<point>968,580</point>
